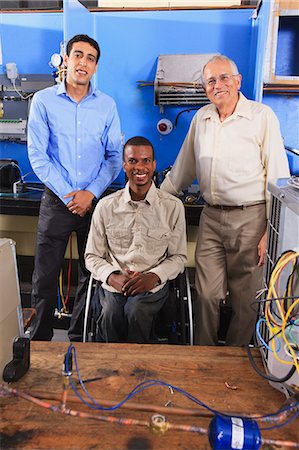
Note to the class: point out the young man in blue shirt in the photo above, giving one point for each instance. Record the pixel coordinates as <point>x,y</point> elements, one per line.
<point>74,145</point>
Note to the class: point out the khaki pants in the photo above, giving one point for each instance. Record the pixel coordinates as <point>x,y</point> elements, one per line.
<point>226,259</point>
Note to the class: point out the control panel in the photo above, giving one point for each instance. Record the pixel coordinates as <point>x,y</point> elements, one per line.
<point>16,92</point>
<point>11,129</point>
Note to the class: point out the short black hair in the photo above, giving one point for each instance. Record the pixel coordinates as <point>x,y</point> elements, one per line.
<point>138,141</point>
<point>83,38</point>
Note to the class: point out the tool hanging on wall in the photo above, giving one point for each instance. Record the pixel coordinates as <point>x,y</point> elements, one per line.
<point>57,64</point>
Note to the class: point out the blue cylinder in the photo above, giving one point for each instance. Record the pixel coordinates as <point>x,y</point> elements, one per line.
<point>230,433</point>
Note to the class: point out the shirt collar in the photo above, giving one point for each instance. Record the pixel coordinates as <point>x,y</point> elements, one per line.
<point>149,198</point>
<point>62,89</point>
<point>242,109</point>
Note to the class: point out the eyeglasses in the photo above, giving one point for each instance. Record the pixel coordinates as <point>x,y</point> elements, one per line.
<point>224,78</point>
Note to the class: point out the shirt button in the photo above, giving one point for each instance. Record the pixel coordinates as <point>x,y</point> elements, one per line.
<point>79,123</point>
<point>79,156</point>
<point>79,173</point>
<point>79,139</point>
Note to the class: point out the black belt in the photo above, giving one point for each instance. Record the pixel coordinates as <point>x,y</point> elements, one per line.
<point>230,207</point>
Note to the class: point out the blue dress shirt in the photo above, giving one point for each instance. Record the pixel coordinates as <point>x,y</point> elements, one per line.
<point>74,146</point>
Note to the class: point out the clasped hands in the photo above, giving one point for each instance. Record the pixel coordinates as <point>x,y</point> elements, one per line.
<point>133,283</point>
<point>81,202</point>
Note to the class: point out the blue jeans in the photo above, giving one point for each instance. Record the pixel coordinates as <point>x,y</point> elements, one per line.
<point>129,319</point>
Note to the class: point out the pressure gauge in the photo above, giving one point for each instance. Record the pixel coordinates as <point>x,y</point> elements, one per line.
<point>56,60</point>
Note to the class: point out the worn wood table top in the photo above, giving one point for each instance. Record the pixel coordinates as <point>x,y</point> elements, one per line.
<point>221,377</point>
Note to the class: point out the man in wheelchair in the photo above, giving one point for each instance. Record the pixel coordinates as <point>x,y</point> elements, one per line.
<point>136,243</point>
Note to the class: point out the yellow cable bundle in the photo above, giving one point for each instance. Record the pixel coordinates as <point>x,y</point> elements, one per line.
<point>281,264</point>
<point>290,347</point>
<point>63,309</point>
<point>272,293</point>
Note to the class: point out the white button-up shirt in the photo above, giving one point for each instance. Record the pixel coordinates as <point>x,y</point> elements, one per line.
<point>233,160</point>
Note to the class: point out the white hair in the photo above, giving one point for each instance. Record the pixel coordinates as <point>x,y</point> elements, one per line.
<point>223,58</point>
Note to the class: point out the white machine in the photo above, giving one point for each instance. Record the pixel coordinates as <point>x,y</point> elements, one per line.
<point>11,318</point>
<point>283,236</point>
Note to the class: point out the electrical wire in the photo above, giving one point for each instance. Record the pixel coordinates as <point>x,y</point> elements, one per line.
<point>61,298</point>
<point>69,272</point>
<point>282,414</point>
<point>256,345</point>
<point>283,326</point>
<point>93,404</point>
<point>166,426</point>
<point>290,347</point>
<point>280,311</point>
<point>58,299</point>
<point>265,300</point>
<point>257,330</point>
<point>283,424</point>
<point>291,330</point>
<point>26,174</point>
<point>181,112</point>
<point>290,324</point>
<point>287,351</point>
<point>23,97</point>
<point>269,377</point>
<point>63,309</point>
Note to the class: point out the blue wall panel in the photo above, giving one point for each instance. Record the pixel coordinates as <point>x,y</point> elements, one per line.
<point>287,110</point>
<point>258,48</point>
<point>131,43</point>
<point>76,19</point>
<point>30,39</point>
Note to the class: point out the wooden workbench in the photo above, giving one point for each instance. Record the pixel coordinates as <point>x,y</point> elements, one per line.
<point>221,377</point>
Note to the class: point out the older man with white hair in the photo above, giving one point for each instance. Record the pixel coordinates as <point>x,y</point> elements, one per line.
<point>233,147</point>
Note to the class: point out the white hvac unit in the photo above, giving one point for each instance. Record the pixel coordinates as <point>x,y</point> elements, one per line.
<point>178,80</point>
<point>283,236</point>
<point>11,318</point>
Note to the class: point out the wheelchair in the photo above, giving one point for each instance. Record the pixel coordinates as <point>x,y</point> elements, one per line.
<point>172,325</point>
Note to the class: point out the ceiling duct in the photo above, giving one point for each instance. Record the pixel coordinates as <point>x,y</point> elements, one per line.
<point>178,80</point>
